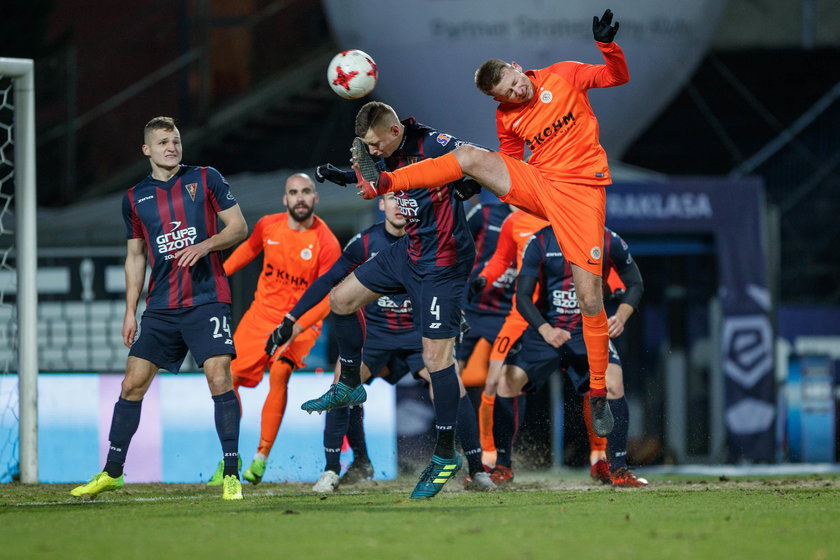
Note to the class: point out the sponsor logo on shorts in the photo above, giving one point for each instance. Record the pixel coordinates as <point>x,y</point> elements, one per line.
<point>595,253</point>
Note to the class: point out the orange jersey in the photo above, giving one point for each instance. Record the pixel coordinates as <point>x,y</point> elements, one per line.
<point>292,260</point>
<point>516,230</point>
<point>558,125</point>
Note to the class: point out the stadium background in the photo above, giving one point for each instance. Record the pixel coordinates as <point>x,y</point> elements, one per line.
<point>245,81</point>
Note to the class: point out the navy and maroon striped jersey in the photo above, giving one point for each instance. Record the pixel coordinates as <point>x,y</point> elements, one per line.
<point>437,225</point>
<point>485,223</point>
<point>544,260</point>
<point>170,215</point>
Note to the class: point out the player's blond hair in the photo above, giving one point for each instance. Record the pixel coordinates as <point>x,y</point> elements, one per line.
<point>374,113</point>
<point>489,74</point>
<point>158,123</point>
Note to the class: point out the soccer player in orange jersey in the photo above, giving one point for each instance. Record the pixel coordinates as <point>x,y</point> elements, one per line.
<point>297,248</point>
<point>564,181</point>
<point>515,232</point>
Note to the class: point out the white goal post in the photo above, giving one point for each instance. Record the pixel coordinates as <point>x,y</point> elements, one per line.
<point>21,72</point>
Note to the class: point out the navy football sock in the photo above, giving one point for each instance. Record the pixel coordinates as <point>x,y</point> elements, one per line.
<point>617,440</point>
<point>124,423</point>
<point>504,429</point>
<point>447,394</point>
<point>356,435</point>
<point>350,336</point>
<point>467,432</point>
<point>334,429</point>
<point>226,408</point>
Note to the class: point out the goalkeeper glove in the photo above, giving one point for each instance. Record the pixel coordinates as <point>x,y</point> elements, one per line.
<point>464,190</point>
<point>602,30</point>
<point>279,336</point>
<point>329,172</point>
<point>475,287</point>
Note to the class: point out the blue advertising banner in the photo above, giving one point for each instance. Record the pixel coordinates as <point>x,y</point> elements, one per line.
<point>733,212</point>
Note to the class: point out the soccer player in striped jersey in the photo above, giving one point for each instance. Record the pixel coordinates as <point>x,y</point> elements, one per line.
<point>431,264</point>
<point>548,111</point>
<point>554,337</point>
<point>297,248</point>
<point>392,349</point>
<point>171,222</point>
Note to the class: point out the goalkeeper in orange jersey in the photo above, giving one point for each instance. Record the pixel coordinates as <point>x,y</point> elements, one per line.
<point>564,181</point>
<point>297,248</point>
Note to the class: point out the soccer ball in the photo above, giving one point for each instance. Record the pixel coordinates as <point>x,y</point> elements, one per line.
<point>352,74</point>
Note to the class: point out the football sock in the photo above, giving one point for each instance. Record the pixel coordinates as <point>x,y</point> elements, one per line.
<point>597,340</point>
<point>617,440</point>
<point>226,414</point>
<point>467,432</point>
<point>504,429</point>
<point>485,422</point>
<point>275,404</point>
<point>350,339</point>
<point>356,434</point>
<point>334,429</point>
<point>432,172</point>
<point>124,423</point>
<point>596,442</point>
<point>447,394</point>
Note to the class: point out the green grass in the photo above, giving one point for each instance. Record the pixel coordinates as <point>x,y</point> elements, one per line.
<point>542,516</point>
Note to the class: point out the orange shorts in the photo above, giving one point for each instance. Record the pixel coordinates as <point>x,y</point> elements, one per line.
<point>249,340</point>
<point>577,213</point>
<point>510,332</point>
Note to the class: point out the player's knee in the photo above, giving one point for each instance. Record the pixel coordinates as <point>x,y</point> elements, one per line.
<point>468,157</point>
<point>340,303</point>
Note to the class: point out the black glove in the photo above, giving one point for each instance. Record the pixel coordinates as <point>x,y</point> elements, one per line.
<point>279,336</point>
<point>463,328</point>
<point>329,172</point>
<point>464,190</point>
<point>475,287</point>
<point>602,30</point>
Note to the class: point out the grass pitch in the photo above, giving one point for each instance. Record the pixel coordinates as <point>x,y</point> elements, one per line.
<point>541,516</point>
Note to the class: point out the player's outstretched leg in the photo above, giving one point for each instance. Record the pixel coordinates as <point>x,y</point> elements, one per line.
<point>100,482</point>
<point>338,395</point>
<point>256,470</point>
<point>433,477</point>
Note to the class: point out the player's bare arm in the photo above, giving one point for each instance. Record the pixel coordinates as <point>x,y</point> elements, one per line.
<point>135,274</point>
<point>235,230</point>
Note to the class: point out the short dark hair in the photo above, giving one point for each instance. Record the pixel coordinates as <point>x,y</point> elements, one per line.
<point>159,123</point>
<point>489,74</point>
<point>373,114</point>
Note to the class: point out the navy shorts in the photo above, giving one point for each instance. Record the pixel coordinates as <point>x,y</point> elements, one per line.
<point>539,360</point>
<point>436,294</point>
<point>399,362</point>
<point>167,334</point>
<point>482,325</point>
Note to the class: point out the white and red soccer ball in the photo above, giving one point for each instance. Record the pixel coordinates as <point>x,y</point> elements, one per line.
<point>352,74</point>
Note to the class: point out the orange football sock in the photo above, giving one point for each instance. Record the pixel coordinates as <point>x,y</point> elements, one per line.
<point>474,373</point>
<point>597,340</point>
<point>596,442</point>
<point>275,405</point>
<point>485,422</point>
<point>425,174</point>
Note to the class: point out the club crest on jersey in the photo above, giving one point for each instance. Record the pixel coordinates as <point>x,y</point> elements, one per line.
<point>306,254</point>
<point>546,97</point>
<point>443,139</point>
<point>191,190</point>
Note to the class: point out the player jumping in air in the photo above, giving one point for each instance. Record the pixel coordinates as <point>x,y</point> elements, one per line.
<point>547,111</point>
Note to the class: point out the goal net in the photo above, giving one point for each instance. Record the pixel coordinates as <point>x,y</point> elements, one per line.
<point>18,266</point>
